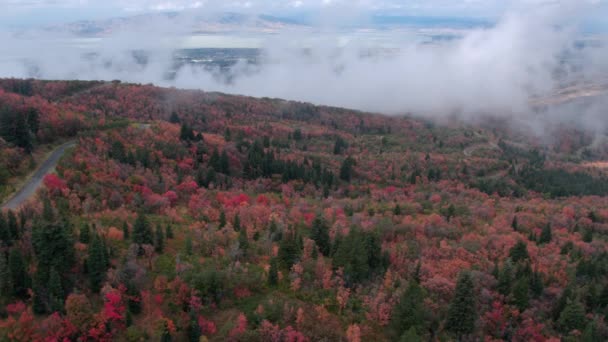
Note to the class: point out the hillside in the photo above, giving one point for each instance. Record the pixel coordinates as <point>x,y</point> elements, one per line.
<point>181,214</point>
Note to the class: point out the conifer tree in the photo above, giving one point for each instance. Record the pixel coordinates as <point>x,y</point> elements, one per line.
<point>169,232</point>
<point>224,163</point>
<point>273,273</point>
<point>85,233</point>
<point>142,233</point>
<point>572,317</point>
<point>545,235</point>
<point>243,241</point>
<point>5,279</point>
<point>410,336</point>
<point>5,234</point>
<point>236,225</point>
<point>505,278</point>
<point>514,223</point>
<point>520,294</point>
<point>125,231</point>
<point>194,329</point>
<point>96,264</point>
<point>12,226</point>
<point>519,252</point>
<point>55,291</point>
<point>320,234</point>
<point>409,312</point>
<point>461,313</point>
<point>19,278</point>
<point>222,219</point>
<point>159,240</point>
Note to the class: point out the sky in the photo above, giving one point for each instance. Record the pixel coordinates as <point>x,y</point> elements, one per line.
<point>494,69</point>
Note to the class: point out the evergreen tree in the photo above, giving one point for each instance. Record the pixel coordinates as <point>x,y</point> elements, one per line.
<point>236,225</point>
<point>243,241</point>
<point>13,227</point>
<point>174,119</point>
<point>289,251</point>
<point>142,232</point>
<point>520,294</point>
<point>519,252</point>
<point>5,234</point>
<point>514,224</point>
<point>397,210</point>
<point>19,278</point>
<point>96,264</point>
<point>194,329</point>
<point>410,336</point>
<point>536,284</point>
<point>166,334</point>
<point>55,290</point>
<point>224,163</point>
<point>54,248</point>
<point>346,170</point>
<point>85,233</point>
<point>409,312</point>
<point>188,246</point>
<point>222,219</point>
<point>588,235</point>
<point>215,161</point>
<point>461,313</point>
<point>505,278</point>
<point>273,273</point>
<point>591,333</point>
<point>125,230</point>
<point>159,239</point>
<point>169,232</point>
<point>5,279</point>
<point>545,235</point>
<point>572,317</point>
<point>320,234</point>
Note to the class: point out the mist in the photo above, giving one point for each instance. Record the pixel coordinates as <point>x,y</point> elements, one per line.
<point>531,51</point>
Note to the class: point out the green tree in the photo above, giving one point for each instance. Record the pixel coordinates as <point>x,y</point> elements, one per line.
<point>289,251</point>
<point>411,335</point>
<point>5,234</point>
<point>514,224</point>
<point>96,264</point>
<point>166,334</point>
<point>85,233</point>
<point>521,297</point>
<point>346,170</point>
<point>125,230</point>
<point>572,317</point>
<point>142,232</point>
<point>169,232</point>
<point>243,241</point>
<point>174,119</point>
<point>222,219</point>
<point>236,224</point>
<point>194,329</point>
<point>320,234</point>
<point>5,279</point>
<point>519,252</point>
<point>159,239</point>
<point>545,235</point>
<point>505,278</point>
<point>13,227</point>
<point>224,163</point>
<point>54,248</point>
<point>273,273</point>
<point>19,279</point>
<point>55,291</point>
<point>461,312</point>
<point>409,312</point>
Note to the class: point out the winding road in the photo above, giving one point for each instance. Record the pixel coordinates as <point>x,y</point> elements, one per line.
<point>32,184</point>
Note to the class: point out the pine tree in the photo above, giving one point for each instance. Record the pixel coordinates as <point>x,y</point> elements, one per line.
<point>194,329</point>
<point>572,317</point>
<point>96,264</point>
<point>346,170</point>
<point>545,235</point>
<point>410,336</point>
<point>519,252</point>
<point>514,224</point>
<point>142,233</point>
<point>461,313</point>
<point>5,234</point>
<point>505,278</point>
<point>289,251</point>
<point>125,230</point>
<point>243,241</point>
<point>85,233</point>
<point>591,333</point>
<point>273,273</point>
<point>55,290</point>
<point>397,210</point>
<point>159,240</point>
<point>174,119</point>
<point>409,312</point>
<point>48,213</point>
<point>166,334</point>
<point>224,163</point>
<point>12,226</point>
<point>520,294</point>
<point>320,234</point>
<point>19,278</point>
<point>222,219</point>
<point>169,232</point>
<point>536,284</point>
<point>5,279</point>
<point>588,235</point>
<point>236,225</point>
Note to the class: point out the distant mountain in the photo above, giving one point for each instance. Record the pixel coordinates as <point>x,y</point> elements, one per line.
<point>227,22</point>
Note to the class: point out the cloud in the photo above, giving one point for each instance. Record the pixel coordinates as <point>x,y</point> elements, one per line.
<point>489,71</point>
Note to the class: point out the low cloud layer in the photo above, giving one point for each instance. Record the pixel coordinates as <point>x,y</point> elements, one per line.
<point>531,51</point>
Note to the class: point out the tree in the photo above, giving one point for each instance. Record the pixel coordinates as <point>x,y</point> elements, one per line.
<point>174,119</point>
<point>13,227</point>
<point>159,239</point>
<point>519,252</point>
<point>520,294</point>
<point>409,312</point>
<point>224,163</point>
<point>346,170</point>
<point>340,145</point>
<point>194,328</point>
<point>222,223</point>
<point>5,279</point>
<point>142,232</point>
<point>169,232</point>
<point>243,241</point>
<point>20,280</point>
<point>55,292</point>
<point>54,248</point>
<point>320,234</point>
<point>410,336</point>
<point>85,233</point>
<point>545,235</point>
<point>96,264</point>
<point>289,251</point>
<point>572,317</point>
<point>125,230</point>
<point>273,276</point>
<point>236,225</point>
<point>505,278</point>
<point>461,313</point>
<point>514,224</point>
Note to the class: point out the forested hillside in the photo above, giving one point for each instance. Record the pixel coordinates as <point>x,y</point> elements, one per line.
<point>191,216</point>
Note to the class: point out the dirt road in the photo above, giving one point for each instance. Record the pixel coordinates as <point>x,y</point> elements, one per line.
<point>35,181</point>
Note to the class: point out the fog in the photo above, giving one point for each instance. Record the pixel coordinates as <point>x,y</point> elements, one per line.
<point>531,51</point>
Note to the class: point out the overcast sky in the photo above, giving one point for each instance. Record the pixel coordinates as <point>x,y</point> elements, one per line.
<point>25,13</point>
